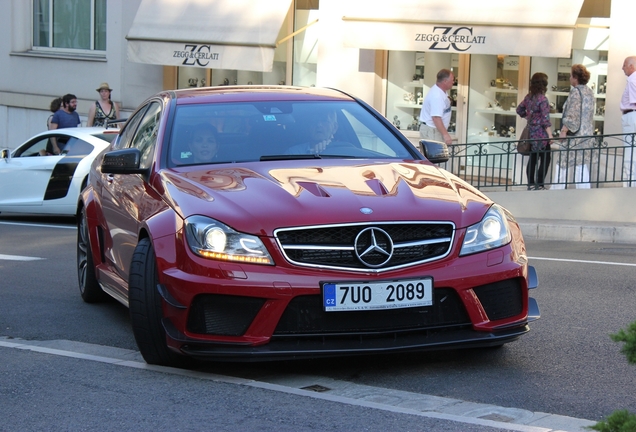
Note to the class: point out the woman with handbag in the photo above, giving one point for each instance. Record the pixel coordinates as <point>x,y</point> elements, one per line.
<point>577,121</point>
<point>536,109</point>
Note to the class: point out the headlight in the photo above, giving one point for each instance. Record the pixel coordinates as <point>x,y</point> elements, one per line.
<point>491,232</point>
<point>209,238</point>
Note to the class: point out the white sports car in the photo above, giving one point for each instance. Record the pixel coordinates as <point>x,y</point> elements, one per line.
<point>36,182</point>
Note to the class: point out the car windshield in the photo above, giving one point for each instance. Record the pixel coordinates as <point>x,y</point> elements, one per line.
<point>253,131</point>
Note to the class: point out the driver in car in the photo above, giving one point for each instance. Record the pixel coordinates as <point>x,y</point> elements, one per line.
<point>321,129</point>
<point>203,143</point>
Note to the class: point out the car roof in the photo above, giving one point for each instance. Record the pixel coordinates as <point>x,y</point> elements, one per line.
<point>88,134</point>
<point>81,132</point>
<point>256,93</point>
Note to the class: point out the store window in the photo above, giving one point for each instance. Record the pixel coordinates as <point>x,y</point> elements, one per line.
<point>69,25</point>
<point>410,76</point>
<point>558,71</point>
<point>492,100</point>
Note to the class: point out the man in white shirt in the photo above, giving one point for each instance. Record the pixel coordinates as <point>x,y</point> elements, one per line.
<point>628,120</point>
<point>436,109</point>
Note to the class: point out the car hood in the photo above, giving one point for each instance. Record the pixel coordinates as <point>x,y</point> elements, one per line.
<point>260,197</point>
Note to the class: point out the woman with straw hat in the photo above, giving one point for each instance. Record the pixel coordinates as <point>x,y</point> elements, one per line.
<point>104,109</point>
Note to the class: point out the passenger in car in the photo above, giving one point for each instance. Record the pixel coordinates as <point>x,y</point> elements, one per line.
<point>321,129</point>
<point>203,143</point>
<point>62,142</point>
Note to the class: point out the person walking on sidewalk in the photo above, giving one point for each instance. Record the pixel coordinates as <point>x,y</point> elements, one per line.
<point>628,121</point>
<point>435,114</point>
<point>536,109</point>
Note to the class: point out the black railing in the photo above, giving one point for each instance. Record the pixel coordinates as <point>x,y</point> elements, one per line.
<point>575,162</point>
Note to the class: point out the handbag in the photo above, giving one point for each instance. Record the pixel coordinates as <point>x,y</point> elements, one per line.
<point>570,132</point>
<point>523,146</point>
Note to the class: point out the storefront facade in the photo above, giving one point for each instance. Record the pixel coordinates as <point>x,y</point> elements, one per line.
<point>386,53</point>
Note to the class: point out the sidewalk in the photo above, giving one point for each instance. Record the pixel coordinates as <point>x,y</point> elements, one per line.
<point>569,230</point>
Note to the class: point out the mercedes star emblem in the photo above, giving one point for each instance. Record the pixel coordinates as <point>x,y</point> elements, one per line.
<point>373,247</point>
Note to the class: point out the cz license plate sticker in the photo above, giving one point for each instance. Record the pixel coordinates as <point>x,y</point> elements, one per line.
<point>359,296</point>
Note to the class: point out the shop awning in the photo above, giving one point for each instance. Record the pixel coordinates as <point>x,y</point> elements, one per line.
<point>220,34</point>
<point>538,28</point>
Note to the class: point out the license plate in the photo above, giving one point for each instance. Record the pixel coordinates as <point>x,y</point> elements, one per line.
<point>358,296</point>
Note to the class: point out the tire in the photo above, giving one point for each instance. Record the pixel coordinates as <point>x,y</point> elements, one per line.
<point>89,288</point>
<point>145,306</point>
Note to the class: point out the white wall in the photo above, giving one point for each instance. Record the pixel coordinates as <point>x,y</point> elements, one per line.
<point>29,81</point>
<point>610,204</point>
<point>339,66</point>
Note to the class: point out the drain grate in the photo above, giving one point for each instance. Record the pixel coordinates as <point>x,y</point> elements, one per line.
<point>316,388</point>
<point>497,417</point>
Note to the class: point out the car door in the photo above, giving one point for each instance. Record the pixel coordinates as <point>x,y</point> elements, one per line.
<point>123,193</point>
<point>24,176</point>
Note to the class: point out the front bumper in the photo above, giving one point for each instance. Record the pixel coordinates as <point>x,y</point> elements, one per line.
<point>227,311</point>
<point>281,348</point>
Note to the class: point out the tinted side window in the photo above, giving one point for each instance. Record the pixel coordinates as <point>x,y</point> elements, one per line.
<point>33,149</point>
<point>44,145</point>
<point>78,148</point>
<point>146,137</point>
<point>129,130</point>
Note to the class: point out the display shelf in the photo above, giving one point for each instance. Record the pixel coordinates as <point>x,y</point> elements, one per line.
<point>407,105</point>
<point>413,84</point>
<point>414,106</point>
<point>557,93</point>
<point>514,113</point>
<point>502,90</point>
<point>496,111</point>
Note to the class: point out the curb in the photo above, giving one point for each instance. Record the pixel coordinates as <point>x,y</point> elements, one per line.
<point>578,231</point>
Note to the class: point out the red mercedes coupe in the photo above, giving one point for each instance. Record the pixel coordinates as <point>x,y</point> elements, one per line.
<point>261,223</point>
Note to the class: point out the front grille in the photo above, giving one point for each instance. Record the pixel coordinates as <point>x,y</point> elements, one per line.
<point>305,316</point>
<point>501,299</point>
<point>364,247</point>
<point>222,315</point>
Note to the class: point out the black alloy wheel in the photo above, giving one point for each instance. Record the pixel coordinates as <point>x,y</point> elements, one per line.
<point>89,287</point>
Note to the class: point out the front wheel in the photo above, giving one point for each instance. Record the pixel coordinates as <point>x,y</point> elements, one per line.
<point>145,306</point>
<point>90,290</point>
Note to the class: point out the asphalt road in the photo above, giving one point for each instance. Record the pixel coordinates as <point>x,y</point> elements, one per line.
<point>567,365</point>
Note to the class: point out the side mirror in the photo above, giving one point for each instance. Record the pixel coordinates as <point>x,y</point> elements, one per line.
<point>434,151</point>
<point>5,154</point>
<point>126,161</point>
